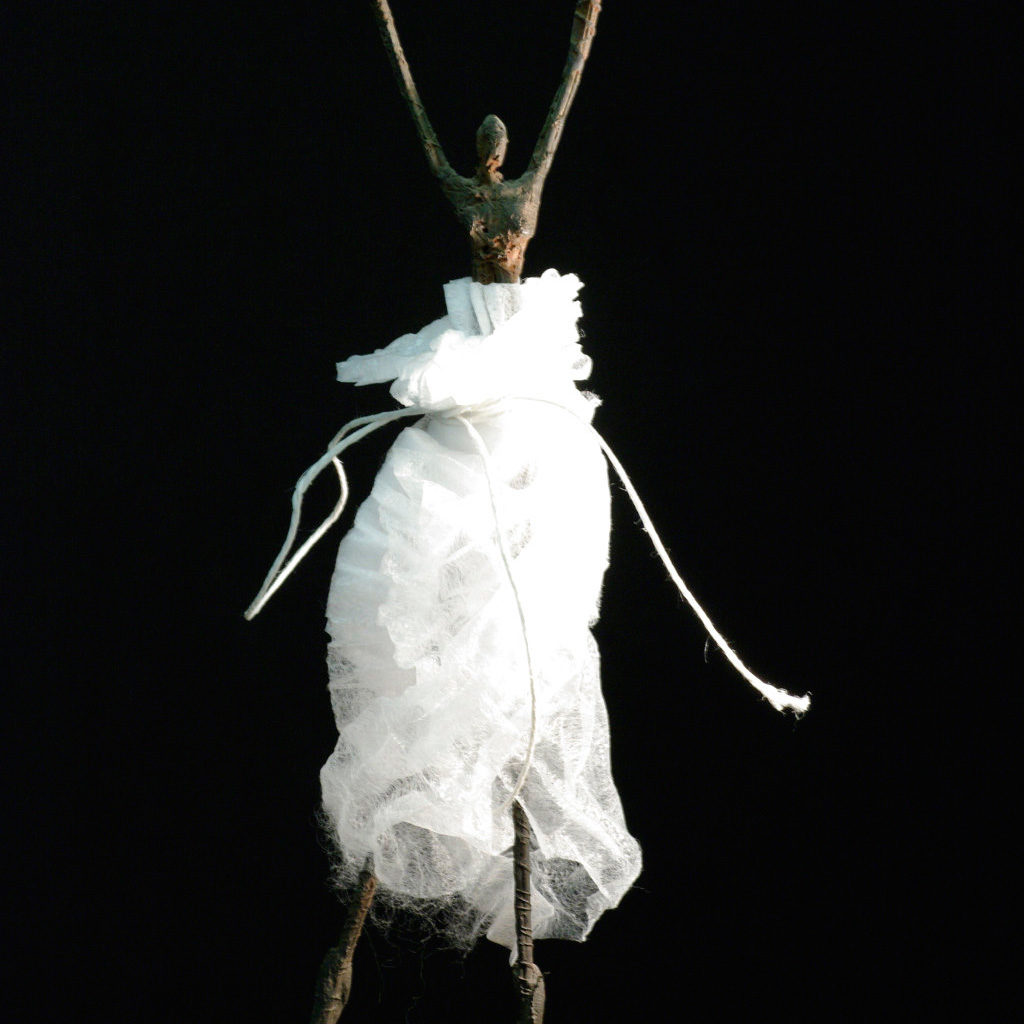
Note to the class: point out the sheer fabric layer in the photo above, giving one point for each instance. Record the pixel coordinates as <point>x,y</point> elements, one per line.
<point>428,674</point>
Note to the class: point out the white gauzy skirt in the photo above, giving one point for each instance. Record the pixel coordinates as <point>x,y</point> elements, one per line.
<point>429,677</point>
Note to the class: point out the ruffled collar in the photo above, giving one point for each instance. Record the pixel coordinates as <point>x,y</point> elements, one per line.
<point>496,341</point>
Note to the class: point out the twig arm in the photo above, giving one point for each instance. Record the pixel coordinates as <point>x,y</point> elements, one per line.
<point>584,25</point>
<point>431,146</point>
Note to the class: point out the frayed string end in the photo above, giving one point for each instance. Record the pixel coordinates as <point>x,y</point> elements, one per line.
<point>779,699</point>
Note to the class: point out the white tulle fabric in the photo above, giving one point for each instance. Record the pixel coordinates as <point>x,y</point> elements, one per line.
<point>428,673</point>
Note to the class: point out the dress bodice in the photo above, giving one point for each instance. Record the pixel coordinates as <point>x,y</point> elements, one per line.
<point>496,341</point>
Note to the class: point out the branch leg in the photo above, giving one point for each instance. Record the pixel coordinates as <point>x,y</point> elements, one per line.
<point>529,981</point>
<point>335,980</point>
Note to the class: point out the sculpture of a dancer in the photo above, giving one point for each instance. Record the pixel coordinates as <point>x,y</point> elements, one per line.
<point>500,218</point>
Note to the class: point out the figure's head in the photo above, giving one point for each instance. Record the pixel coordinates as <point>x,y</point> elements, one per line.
<point>491,144</point>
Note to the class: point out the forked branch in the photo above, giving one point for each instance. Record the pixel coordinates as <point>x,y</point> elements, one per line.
<point>584,27</point>
<point>500,216</point>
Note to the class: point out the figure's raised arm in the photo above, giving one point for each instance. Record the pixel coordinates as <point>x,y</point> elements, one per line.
<point>584,25</point>
<point>386,23</point>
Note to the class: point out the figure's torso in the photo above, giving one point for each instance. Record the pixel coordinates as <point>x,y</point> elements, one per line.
<point>501,219</point>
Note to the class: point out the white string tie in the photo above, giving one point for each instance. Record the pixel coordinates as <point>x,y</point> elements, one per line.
<point>357,429</point>
<point>345,438</point>
<point>778,698</point>
<point>506,557</point>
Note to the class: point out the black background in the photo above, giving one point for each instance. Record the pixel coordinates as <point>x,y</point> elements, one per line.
<point>784,216</point>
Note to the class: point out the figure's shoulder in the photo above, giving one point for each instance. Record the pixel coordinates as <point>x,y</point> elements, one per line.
<point>455,185</point>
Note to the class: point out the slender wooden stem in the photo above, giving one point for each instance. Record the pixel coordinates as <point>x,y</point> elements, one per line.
<point>521,869</point>
<point>528,978</point>
<point>334,983</point>
<point>584,26</point>
<point>431,146</point>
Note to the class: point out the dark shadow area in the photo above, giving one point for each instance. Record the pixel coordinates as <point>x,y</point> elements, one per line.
<point>784,217</point>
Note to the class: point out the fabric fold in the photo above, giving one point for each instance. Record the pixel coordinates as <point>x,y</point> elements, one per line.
<point>428,675</point>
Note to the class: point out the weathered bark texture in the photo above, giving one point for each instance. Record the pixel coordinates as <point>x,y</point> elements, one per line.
<point>529,981</point>
<point>334,983</point>
<point>499,216</point>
